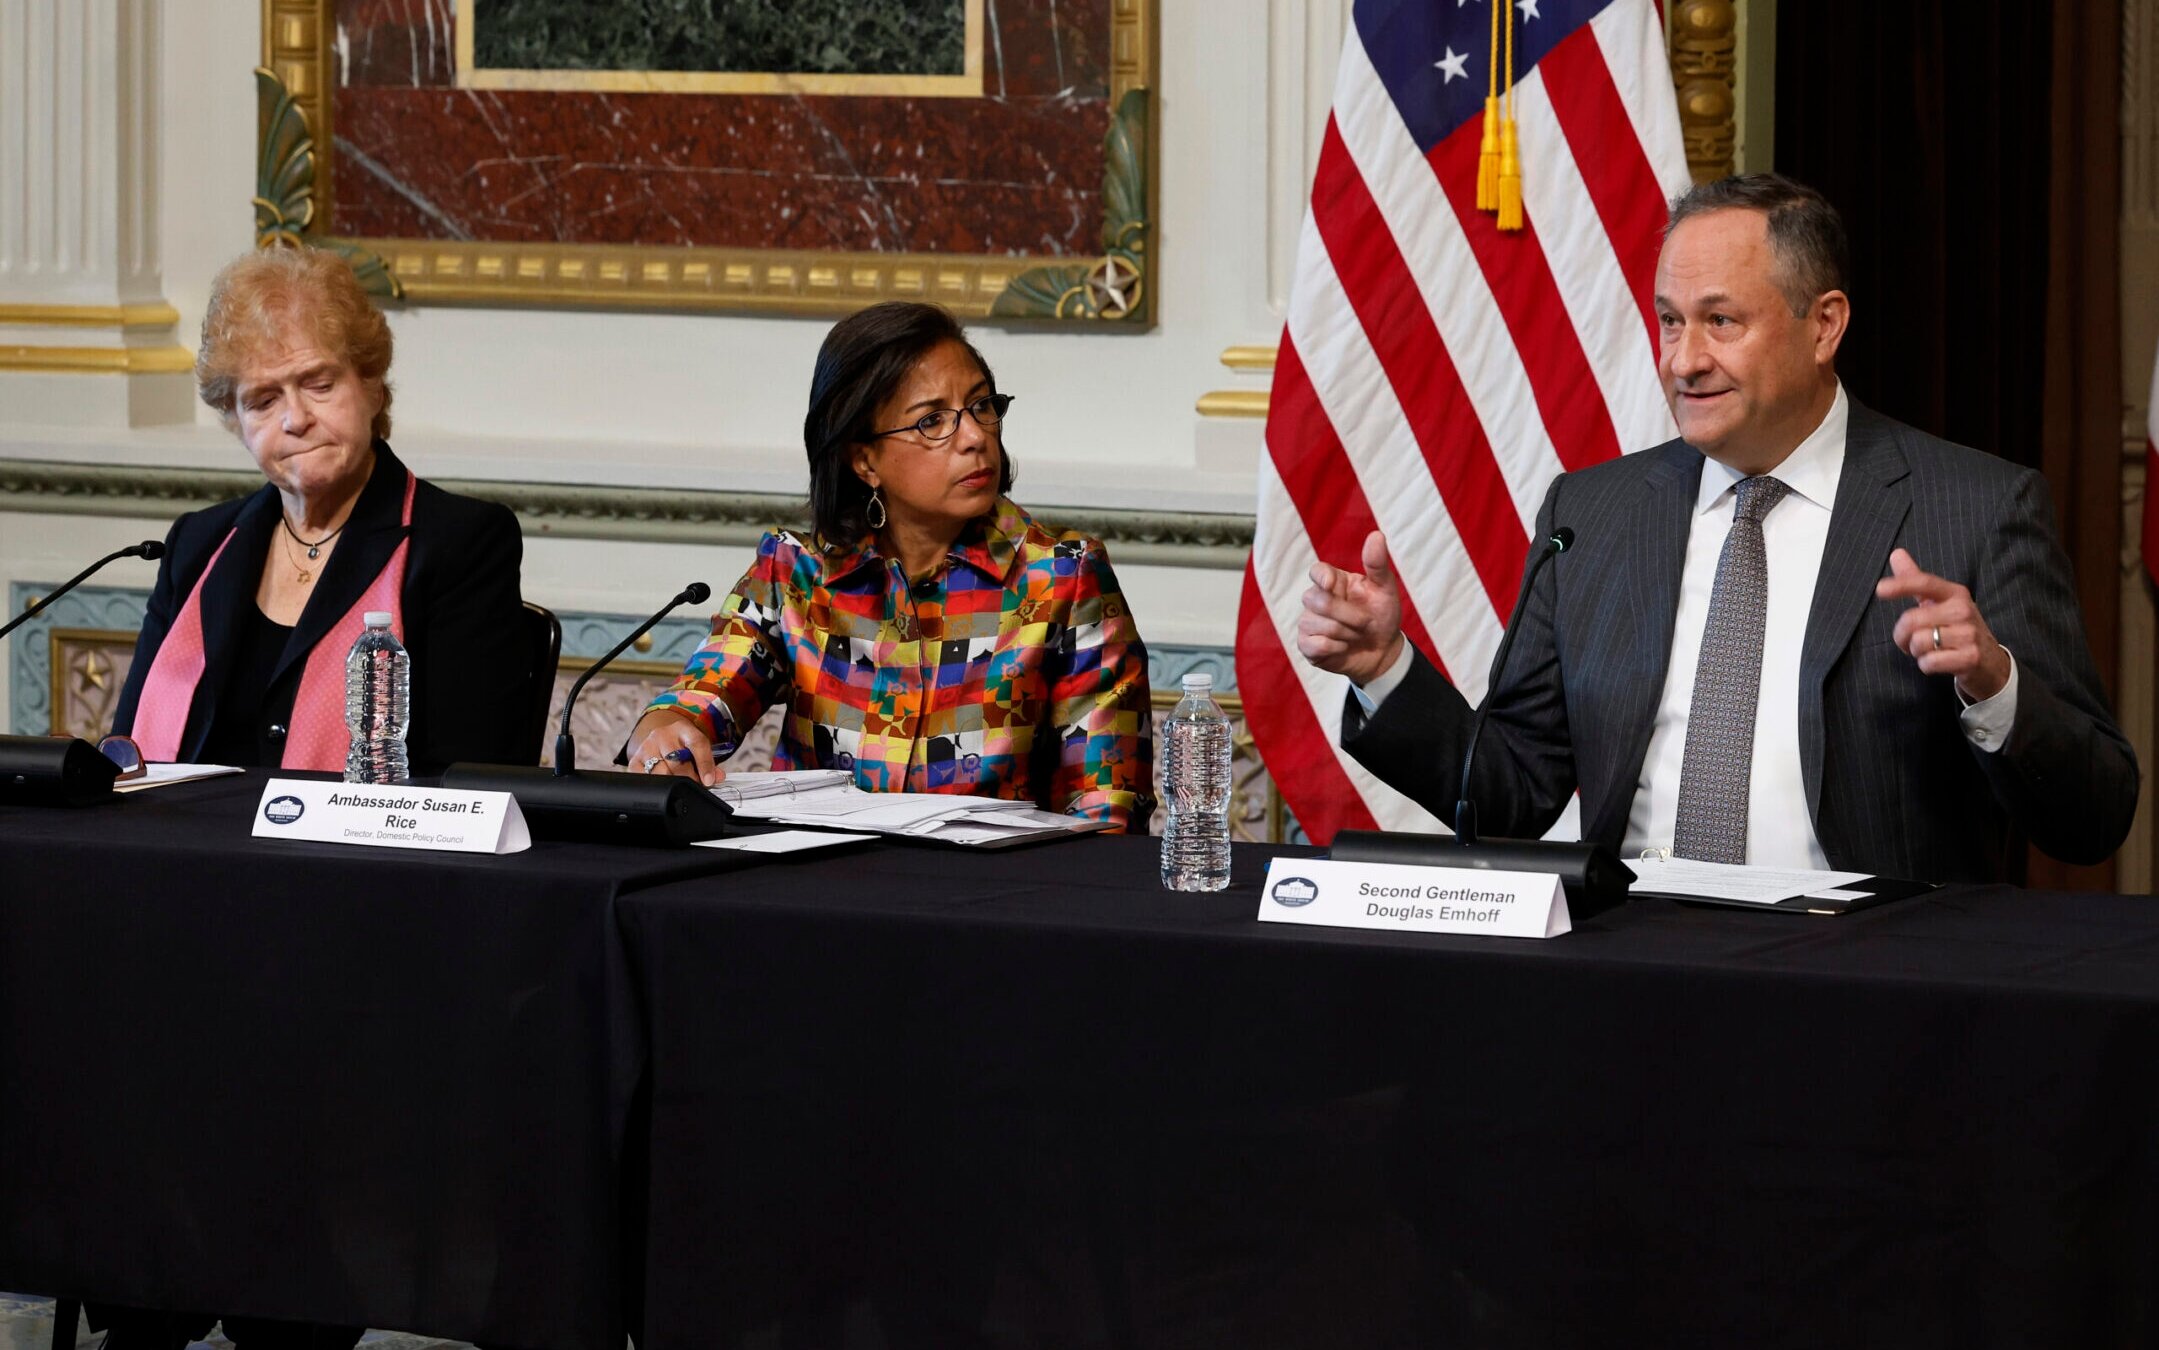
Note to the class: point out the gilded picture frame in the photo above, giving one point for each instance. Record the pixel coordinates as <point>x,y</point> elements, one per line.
<point>1112,283</point>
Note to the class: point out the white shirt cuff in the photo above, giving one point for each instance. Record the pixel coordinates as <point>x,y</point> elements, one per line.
<point>1371,695</point>
<point>1986,723</point>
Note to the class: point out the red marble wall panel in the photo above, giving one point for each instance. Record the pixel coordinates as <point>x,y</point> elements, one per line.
<point>393,44</point>
<point>1047,47</point>
<point>1016,173</point>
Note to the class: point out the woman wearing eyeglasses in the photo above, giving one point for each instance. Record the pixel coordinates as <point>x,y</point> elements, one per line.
<point>929,635</point>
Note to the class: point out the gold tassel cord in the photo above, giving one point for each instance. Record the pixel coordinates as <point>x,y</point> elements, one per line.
<point>1488,151</point>
<point>1510,148</point>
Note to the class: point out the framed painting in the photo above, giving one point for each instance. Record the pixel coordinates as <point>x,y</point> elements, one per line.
<point>798,156</point>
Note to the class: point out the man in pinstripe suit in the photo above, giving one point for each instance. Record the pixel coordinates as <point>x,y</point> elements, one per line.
<point>1895,679</point>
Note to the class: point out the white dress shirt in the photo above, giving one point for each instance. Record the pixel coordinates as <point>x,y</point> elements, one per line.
<point>1780,832</point>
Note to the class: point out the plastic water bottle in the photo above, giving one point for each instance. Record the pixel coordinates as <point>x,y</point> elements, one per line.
<point>378,704</point>
<point>1196,785</point>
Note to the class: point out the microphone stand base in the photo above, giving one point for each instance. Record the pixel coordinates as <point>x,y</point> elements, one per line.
<point>1594,877</point>
<point>601,806</point>
<point>54,771</point>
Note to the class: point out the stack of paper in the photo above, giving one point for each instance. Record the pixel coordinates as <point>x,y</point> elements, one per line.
<point>737,788</point>
<point>978,822</point>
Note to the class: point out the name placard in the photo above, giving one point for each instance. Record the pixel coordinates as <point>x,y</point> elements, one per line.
<point>391,817</point>
<point>1413,899</point>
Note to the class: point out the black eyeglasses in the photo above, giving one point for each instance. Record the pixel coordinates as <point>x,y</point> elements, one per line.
<point>939,425</point>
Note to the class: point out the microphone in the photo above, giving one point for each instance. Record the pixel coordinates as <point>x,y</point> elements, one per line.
<point>61,770</point>
<point>1465,810</point>
<point>1594,878</point>
<point>565,802</point>
<point>696,593</point>
<point>149,549</point>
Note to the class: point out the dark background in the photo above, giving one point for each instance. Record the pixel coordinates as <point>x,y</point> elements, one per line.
<point>1974,149</point>
<point>1925,123</point>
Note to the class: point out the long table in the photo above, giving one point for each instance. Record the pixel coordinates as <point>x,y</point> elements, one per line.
<point>355,1086</point>
<point>1036,1098</point>
<point>901,1096</point>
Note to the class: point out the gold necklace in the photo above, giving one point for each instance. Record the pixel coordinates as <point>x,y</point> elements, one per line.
<point>306,576</point>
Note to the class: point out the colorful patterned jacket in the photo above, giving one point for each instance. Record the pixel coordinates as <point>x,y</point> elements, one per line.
<point>1015,671</point>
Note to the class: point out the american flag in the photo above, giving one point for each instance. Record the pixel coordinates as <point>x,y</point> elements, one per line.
<point>1435,372</point>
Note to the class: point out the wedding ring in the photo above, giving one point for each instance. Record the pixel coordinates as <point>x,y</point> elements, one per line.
<point>653,761</point>
<point>1937,637</point>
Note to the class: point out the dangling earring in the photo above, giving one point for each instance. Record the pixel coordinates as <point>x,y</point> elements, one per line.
<point>877,503</point>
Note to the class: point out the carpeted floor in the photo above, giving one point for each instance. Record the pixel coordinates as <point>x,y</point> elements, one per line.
<point>26,1324</point>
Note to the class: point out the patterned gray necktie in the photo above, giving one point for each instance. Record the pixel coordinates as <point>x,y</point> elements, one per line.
<point>1713,775</point>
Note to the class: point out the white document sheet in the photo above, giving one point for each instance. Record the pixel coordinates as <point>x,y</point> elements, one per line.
<point>782,841</point>
<point>947,817</point>
<point>165,775</point>
<point>1722,881</point>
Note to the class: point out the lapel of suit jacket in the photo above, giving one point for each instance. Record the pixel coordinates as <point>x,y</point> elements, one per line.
<point>1656,555</point>
<point>372,533</point>
<point>228,598</point>
<point>1873,497</point>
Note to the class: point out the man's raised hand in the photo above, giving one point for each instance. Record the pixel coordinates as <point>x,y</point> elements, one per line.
<point>1352,622</point>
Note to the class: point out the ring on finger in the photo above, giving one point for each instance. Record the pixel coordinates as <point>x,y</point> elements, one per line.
<point>1937,637</point>
<point>653,761</point>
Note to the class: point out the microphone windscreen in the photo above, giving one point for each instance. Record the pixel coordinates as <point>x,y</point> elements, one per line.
<point>150,549</point>
<point>696,593</point>
<point>1563,538</point>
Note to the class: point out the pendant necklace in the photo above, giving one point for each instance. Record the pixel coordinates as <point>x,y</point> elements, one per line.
<point>314,550</point>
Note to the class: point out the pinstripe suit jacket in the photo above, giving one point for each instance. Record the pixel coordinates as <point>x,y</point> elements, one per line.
<point>1891,782</point>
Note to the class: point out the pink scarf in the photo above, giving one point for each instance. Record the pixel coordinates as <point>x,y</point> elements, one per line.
<point>317,738</point>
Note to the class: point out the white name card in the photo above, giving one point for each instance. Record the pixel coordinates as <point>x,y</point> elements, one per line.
<point>391,817</point>
<point>1413,899</point>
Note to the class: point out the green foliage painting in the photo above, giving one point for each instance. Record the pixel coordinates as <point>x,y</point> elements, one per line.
<point>826,37</point>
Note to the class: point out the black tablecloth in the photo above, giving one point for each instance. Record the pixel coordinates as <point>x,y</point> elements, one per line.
<point>295,1080</point>
<point>915,1097</point>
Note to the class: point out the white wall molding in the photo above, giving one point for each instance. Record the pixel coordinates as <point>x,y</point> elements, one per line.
<point>85,337</point>
<point>1304,45</point>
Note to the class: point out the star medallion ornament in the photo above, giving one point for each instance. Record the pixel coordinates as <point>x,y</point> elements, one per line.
<point>1113,287</point>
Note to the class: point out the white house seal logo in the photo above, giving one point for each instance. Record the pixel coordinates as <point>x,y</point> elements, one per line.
<point>283,810</point>
<point>1293,892</point>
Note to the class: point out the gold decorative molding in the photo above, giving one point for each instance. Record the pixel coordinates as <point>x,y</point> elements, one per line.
<point>695,279</point>
<point>296,53</point>
<point>1233,403</point>
<point>169,360</point>
<point>1253,357</point>
<point>294,82</point>
<point>157,315</point>
<point>1704,38</point>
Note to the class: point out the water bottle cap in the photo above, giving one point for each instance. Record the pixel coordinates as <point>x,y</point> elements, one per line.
<point>1198,680</point>
<point>376,618</point>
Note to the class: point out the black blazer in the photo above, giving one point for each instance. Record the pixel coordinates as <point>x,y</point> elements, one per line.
<point>461,606</point>
<point>1892,784</point>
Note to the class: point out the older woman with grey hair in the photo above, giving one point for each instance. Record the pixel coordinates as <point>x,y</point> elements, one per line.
<point>241,659</point>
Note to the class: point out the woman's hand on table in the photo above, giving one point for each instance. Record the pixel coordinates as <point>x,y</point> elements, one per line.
<point>665,742</point>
